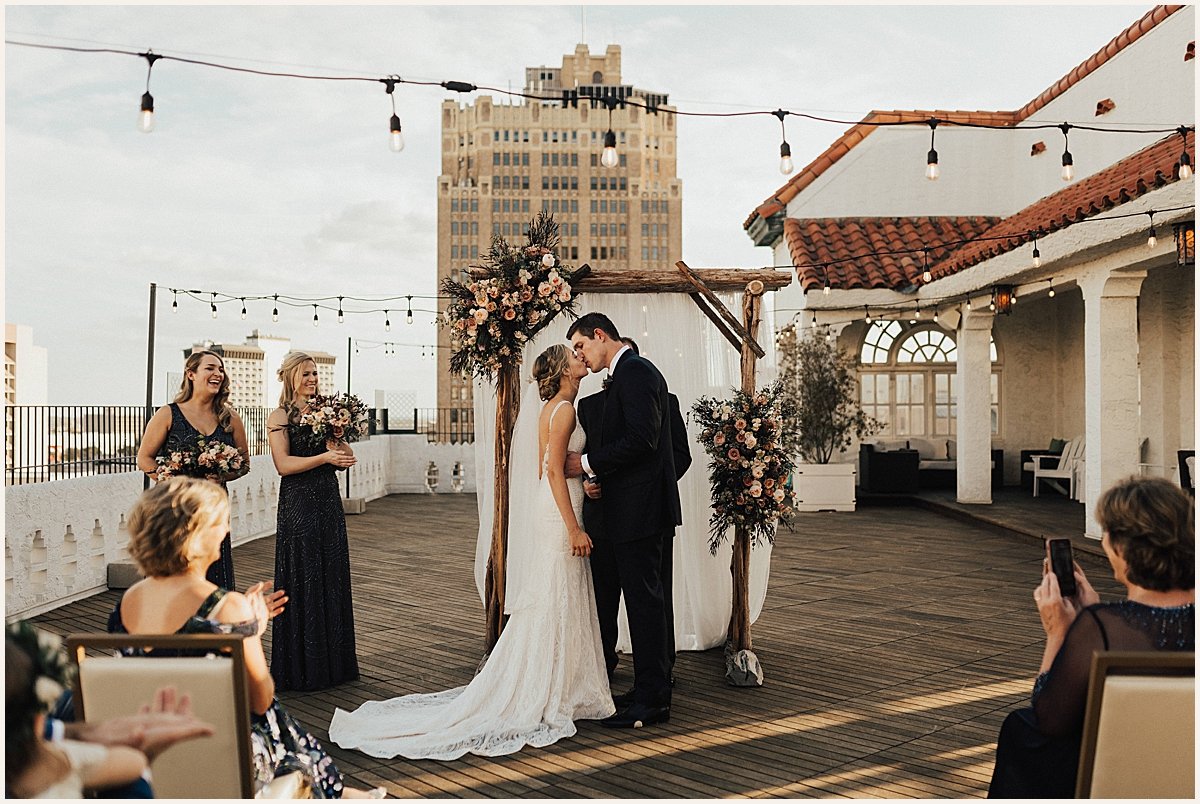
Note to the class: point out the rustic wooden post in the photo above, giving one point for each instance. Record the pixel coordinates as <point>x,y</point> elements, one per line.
<point>508,403</point>
<point>739,566</point>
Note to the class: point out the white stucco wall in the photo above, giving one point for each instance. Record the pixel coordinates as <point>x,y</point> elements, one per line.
<point>991,172</point>
<point>60,537</point>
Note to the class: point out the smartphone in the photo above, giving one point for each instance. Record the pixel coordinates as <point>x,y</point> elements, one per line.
<point>1062,564</point>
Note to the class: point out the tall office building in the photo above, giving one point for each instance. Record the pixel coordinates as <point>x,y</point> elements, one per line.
<point>502,163</point>
<point>252,367</point>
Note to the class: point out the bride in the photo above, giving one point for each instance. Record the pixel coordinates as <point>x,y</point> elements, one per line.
<point>547,669</point>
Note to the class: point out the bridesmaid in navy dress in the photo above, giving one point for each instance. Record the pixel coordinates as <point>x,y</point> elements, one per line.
<point>201,410</point>
<point>312,644</point>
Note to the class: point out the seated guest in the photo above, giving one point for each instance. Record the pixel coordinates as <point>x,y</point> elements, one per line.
<point>1149,538</point>
<point>175,532</point>
<point>33,766</point>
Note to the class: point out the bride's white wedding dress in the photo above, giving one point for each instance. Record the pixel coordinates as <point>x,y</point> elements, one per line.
<point>545,672</point>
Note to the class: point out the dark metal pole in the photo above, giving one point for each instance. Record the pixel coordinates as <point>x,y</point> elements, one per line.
<point>150,370</point>
<point>349,352</point>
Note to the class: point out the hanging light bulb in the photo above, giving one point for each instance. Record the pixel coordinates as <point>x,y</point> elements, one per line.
<point>1068,162</point>
<point>395,136</point>
<point>213,305</point>
<point>935,315</point>
<point>316,321</point>
<point>867,310</point>
<point>786,165</point>
<point>827,289</point>
<point>814,318</point>
<point>918,313</point>
<point>175,301</point>
<point>275,309</point>
<point>146,116</point>
<point>1051,281</point>
<point>387,322</point>
<point>932,171</point>
<point>409,318</point>
<point>341,315</point>
<point>243,308</point>
<point>609,157</point>
<point>1037,255</point>
<point>926,275</point>
<point>1152,241</point>
<point>1185,161</point>
<point>968,304</point>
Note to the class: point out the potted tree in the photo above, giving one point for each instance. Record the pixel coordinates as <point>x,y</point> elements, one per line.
<point>820,380</point>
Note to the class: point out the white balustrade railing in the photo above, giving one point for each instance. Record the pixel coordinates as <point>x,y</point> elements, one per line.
<point>60,537</point>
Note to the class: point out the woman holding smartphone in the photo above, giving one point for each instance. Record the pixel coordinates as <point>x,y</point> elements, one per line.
<point>1149,538</point>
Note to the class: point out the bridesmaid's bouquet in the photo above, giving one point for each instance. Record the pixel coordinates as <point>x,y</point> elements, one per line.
<point>340,416</point>
<point>210,460</point>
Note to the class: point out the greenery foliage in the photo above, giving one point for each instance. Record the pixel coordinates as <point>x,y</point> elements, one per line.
<point>820,382</point>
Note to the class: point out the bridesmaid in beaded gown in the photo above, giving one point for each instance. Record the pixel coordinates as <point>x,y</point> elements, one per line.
<point>201,407</point>
<point>312,645</point>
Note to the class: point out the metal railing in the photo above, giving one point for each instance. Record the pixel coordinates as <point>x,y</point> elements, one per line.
<point>54,442</point>
<point>438,425</point>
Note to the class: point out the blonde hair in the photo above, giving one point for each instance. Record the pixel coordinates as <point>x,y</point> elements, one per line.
<point>549,368</point>
<point>220,402</point>
<point>286,374</point>
<point>165,520</point>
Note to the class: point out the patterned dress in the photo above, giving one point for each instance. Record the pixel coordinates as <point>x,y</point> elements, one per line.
<point>183,436</point>
<point>279,742</point>
<point>312,643</point>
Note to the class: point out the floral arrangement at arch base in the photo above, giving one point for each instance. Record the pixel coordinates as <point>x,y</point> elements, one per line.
<point>491,319</point>
<point>750,463</point>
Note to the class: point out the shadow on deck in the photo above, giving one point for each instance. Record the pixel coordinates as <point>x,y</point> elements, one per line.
<point>893,642</point>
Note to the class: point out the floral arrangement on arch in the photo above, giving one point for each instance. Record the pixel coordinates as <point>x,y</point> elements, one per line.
<point>492,318</point>
<point>750,463</point>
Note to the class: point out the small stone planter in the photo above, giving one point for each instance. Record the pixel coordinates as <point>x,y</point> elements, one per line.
<point>824,486</point>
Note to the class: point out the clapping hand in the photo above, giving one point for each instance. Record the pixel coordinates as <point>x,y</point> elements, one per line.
<point>274,601</point>
<point>156,727</point>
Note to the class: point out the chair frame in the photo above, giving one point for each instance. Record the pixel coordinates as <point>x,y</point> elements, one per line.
<point>1063,470</point>
<point>79,644</point>
<point>1104,664</point>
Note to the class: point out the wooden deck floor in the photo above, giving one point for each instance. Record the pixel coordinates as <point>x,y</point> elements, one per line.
<point>893,641</point>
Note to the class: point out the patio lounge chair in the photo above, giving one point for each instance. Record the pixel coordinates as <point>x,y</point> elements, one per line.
<point>111,685</point>
<point>1139,736</point>
<point>1053,468</point>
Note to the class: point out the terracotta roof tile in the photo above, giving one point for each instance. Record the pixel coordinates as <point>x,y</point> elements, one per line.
<point>1145,171</point>
<point>831,242</point>
<point>861,130</point>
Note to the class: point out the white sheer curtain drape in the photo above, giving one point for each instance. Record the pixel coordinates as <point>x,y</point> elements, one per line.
<point>696,361</point>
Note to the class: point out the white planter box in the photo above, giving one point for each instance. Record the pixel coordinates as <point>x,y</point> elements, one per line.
<point>824,486</point>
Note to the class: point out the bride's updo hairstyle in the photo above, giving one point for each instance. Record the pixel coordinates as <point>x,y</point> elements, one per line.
<point>549,368</point>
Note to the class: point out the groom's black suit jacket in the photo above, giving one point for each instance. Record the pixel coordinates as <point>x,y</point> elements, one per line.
<point>631,450</point>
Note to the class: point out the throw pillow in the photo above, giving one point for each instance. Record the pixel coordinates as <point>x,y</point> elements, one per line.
<point>1056,446</point>
<point>951,450</point>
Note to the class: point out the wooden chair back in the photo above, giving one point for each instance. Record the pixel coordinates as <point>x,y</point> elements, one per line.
<point>110,684</point>
<point>1139,736</point>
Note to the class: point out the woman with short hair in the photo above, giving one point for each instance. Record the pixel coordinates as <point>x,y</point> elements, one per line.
<point>1149,538</point>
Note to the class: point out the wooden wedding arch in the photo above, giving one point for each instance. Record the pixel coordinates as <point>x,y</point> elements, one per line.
<point>701,285</point>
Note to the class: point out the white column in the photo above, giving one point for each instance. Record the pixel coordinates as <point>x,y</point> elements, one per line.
<point>1110,338</point>
<point>974,378</point>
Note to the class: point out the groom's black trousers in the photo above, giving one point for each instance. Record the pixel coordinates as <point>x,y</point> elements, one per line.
<point>642,569</point>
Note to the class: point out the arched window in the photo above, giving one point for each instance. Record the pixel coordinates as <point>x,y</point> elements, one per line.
<point>907,379</point>
<point>597,77</point>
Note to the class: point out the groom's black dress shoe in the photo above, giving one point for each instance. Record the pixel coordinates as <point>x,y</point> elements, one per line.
<point>623,700</point>
<point>637,715</point>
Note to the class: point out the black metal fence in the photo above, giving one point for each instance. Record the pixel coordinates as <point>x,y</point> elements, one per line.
<point>54,442</point>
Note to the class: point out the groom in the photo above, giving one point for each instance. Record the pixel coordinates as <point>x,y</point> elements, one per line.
<point>631,454</point>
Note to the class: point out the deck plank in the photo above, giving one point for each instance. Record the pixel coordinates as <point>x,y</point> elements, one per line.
<point>893,642</point>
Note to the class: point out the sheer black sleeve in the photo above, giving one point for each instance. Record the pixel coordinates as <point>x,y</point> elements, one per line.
<point>1060,699</point>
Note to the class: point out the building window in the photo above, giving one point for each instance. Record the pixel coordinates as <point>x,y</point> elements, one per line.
<point>496,158</point>
<point>574,182</point>
<point>474,204</point>
<point>525,159</point>
<point>595,183</point>
<point>545,182</point>
<point>495,205</point>
<point>593,160</point>
<point>545,160</point>
<point>524,182</point>
<point>454,205</point>
<point>593,252</point>
<point>525,201</point>
<point>908,379</point>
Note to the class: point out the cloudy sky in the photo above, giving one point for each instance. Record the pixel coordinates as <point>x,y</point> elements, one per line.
<point>254,185</point>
